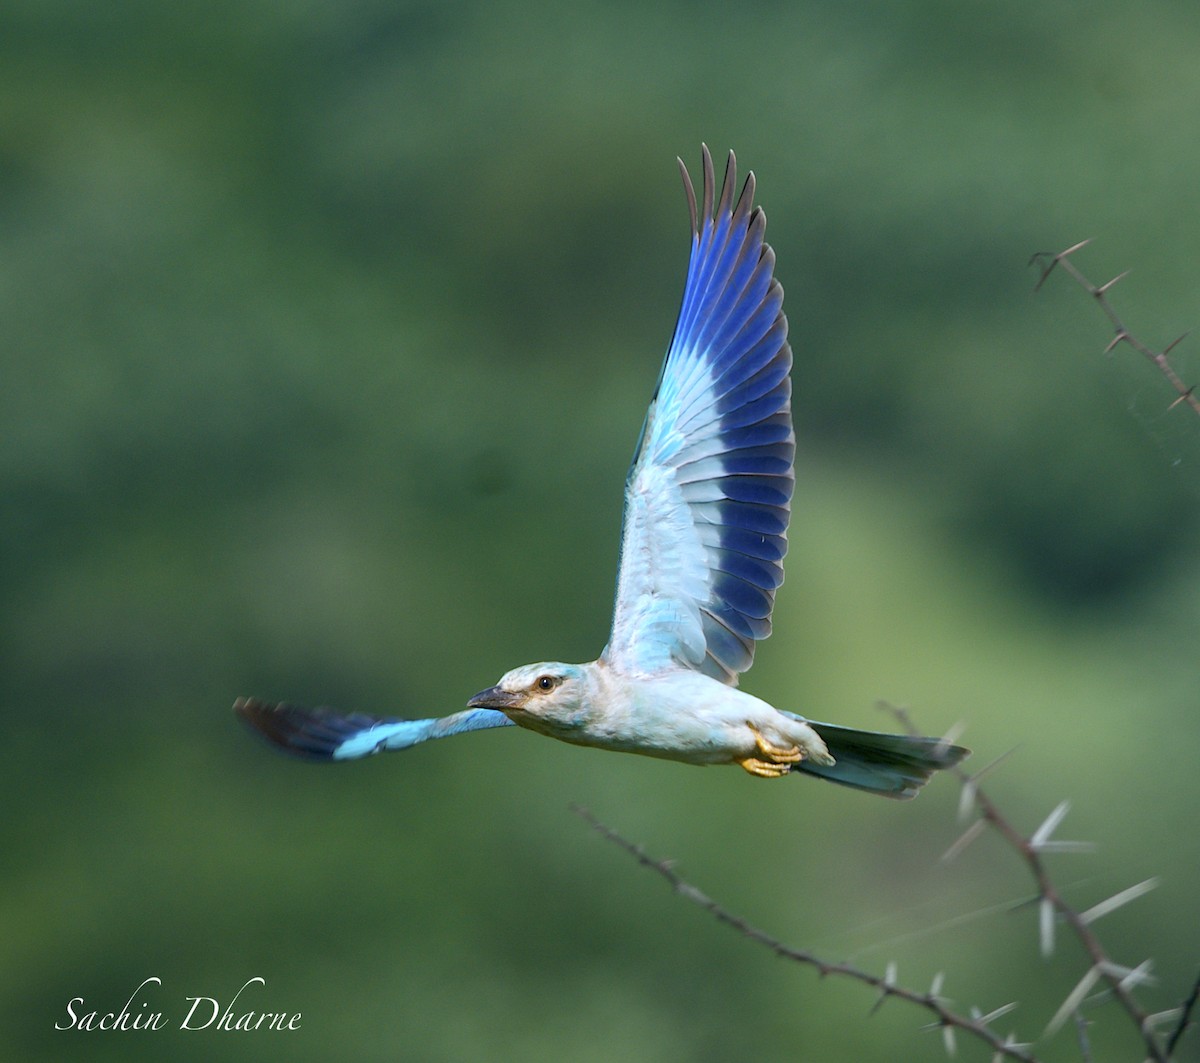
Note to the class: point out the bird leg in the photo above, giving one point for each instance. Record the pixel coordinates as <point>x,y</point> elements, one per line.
<point>776,760</point>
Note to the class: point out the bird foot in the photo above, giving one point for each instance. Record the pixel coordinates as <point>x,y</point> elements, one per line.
<point>764,769</point>
<point>775,760</point>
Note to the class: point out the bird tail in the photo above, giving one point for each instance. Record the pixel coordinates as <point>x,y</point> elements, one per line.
<point>888,764</point>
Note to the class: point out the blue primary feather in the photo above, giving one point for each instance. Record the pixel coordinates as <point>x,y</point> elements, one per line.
<point>323,734</point>
<point>708,495</point>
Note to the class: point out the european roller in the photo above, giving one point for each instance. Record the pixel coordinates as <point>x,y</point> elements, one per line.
<point>707,502</point>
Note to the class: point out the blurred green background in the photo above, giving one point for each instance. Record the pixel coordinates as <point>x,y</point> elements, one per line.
<point>328,329</point>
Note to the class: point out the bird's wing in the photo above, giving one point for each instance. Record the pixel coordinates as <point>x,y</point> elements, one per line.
<point>708,495</point>
<point>323,734</point>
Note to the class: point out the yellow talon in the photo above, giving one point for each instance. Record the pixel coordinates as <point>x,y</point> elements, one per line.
<point>764,769</point>
<point>778,760</point>
<point>785,754</point>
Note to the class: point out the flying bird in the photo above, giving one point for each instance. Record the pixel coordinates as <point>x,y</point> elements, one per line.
<point>707,502</point>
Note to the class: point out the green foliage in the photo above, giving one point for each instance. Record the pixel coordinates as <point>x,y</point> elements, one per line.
<point>328,331</point>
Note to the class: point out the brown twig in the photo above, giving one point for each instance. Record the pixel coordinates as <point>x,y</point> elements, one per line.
<point>1185,1018</point>
<point>946,1018</point>
<point>1048,260</point>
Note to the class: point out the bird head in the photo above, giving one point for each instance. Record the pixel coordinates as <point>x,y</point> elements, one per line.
<point>549,691</point>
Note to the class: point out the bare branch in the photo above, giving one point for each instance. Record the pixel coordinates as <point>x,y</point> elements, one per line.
<point>931,1001</point>
<point>1185,1019</point>
<point>1051,902</point>
<point>1048,260</point>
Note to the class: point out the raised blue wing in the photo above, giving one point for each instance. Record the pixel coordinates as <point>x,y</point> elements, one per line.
<point>323,734</point>
<point>709,492</point>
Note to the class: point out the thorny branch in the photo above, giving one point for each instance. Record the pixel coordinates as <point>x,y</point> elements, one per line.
<point>1185,1018</point>
<point>1119,981</point>
<point>1046,261</point>
<point>886,985</point>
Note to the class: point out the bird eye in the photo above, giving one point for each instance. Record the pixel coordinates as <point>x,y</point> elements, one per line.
<point>546,682</point>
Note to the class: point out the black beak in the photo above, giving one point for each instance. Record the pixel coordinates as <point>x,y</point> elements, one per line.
<point>495,698</point>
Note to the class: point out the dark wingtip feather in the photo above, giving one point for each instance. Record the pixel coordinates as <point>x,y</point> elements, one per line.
<point>725,205</point>
<point>311,733</point>
<point>709,182</point>
<point>745,203</point>
<point>691,196</point>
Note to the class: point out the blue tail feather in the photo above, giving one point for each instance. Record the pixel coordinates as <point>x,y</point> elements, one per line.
<point>892,765</point>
